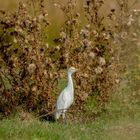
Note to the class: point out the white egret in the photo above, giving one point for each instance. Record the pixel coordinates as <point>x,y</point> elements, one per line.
<point>66,97</point>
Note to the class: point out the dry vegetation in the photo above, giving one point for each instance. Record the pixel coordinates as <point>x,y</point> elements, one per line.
<point>31,68</point>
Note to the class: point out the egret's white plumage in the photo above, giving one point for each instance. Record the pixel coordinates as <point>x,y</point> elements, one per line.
<point>66,97</point>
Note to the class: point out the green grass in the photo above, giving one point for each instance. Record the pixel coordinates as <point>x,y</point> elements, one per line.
<point>105,127</point>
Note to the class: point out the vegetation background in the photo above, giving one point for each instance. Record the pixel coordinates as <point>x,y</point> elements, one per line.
<point>117,114</point>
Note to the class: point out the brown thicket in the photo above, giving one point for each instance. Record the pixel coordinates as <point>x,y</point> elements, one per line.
<point>30,69</point>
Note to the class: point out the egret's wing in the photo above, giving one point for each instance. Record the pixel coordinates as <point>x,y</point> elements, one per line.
<point>61,100</point>
<point>60,104</point>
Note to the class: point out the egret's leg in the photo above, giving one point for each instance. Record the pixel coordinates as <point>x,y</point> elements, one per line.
<point>64,116</point>
<point>63,113</point>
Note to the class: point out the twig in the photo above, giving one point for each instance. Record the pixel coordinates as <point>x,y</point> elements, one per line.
<point>46,114</point>
<point>50,113</point>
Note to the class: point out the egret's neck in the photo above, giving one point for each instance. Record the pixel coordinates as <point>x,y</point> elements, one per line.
<point>70,81</point>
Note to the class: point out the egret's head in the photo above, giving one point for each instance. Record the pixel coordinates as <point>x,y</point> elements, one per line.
<point>71,70</point>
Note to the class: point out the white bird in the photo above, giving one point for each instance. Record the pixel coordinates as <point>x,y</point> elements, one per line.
<point>66,97</point>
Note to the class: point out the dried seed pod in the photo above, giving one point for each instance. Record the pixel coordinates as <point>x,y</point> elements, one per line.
<point>31,68</point>
<point>102,61</point>
<point>98,70</point>
<point>92,55</point>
